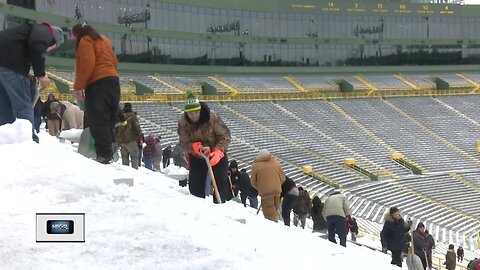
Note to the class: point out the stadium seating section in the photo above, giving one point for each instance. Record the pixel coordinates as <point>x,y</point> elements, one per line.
<point>436,134</point>
<point>179,84</point>
<point>322,134</point>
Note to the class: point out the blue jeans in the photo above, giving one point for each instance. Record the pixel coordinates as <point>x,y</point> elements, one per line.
<point>15,97</point>
<point>208,185</point>
<point>302,218</point>
<point>253,201</point>
<point>336,225</point>
<point>354,237</point>
<point>148,160</point>
<point>37,110</point>
<point>140,155</point>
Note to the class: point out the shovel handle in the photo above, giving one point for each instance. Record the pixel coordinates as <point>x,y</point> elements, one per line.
<point>212,176</point>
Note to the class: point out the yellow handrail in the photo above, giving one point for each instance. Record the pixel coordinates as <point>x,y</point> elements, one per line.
<point>438,263</point>
<point>311,95</point>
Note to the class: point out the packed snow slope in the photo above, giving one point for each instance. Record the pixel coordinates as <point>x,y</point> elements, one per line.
<point>155,224</point>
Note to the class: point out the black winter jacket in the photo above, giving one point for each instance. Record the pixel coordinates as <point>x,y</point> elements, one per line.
<point>287,185</point>
<point>317,216</point>
<point>23,46</point>
<point>393,235</point>
<point>245,186</point>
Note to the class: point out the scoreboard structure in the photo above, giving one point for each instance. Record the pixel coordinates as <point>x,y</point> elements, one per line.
<point>371,8</point>
<point>275,32</point>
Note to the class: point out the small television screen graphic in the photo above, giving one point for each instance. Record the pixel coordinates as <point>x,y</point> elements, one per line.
<point>60,226</point>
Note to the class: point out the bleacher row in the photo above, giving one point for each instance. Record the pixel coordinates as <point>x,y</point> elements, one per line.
<point>173,84</point>
<point>438,134</point>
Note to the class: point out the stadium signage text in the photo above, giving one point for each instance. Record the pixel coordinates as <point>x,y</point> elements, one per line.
<point>373,7</point>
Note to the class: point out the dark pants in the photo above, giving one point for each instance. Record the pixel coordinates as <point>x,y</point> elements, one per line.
<point>424,262</point>
<point>429,258</point>
<point>165,161</point>
<point>198,174</point>
<point>252,200</point>
<point>101,104</point>
<point>336,225</point>
<point>396,257</point>
<point>243,197</point>
<point>288,203</point>
<point>37,121</point>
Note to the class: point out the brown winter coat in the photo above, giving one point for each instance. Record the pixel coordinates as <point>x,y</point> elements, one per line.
<point>72,117</point>
<point>304,204</point>
<point>267,176</point>
<point>136,130</point>
<point>95,60</point>
<point>210,131</point>
<point>451,259</point>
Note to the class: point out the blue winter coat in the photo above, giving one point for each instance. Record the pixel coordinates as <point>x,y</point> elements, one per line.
<point>394,233</point>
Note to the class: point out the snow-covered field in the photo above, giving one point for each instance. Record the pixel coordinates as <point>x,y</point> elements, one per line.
<point>155,224</point>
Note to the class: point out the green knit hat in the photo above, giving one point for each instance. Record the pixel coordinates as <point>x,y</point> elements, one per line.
<point>192,103</point>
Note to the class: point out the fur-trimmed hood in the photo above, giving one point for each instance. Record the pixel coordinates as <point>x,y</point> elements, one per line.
<point>394,233</point>
<point>387,217</point>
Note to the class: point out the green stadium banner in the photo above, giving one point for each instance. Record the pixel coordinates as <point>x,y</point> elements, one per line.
<point>208,89</point>
<point>141,88</point>
<point>62,87</point>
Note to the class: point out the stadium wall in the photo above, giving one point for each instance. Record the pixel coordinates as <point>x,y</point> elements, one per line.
<point>67,63</point>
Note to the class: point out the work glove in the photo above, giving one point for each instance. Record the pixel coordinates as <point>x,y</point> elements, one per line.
<point>197,148</point>
<point>216,156</point>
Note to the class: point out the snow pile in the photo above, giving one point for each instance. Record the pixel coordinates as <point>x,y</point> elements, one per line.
<point>18,131</point>
<point>155,224</point>
<point>175,172</point>
<point>72,135</point>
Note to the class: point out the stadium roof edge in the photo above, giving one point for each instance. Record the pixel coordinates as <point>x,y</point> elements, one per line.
<point>59,62</point>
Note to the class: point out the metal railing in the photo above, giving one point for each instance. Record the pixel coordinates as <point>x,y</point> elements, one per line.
<point>157,97</point>
<point>438,263</point>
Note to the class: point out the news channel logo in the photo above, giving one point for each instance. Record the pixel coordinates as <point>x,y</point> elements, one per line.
<point>60,227</point>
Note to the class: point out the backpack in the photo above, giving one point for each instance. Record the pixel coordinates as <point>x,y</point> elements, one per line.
<point>123,130</point>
